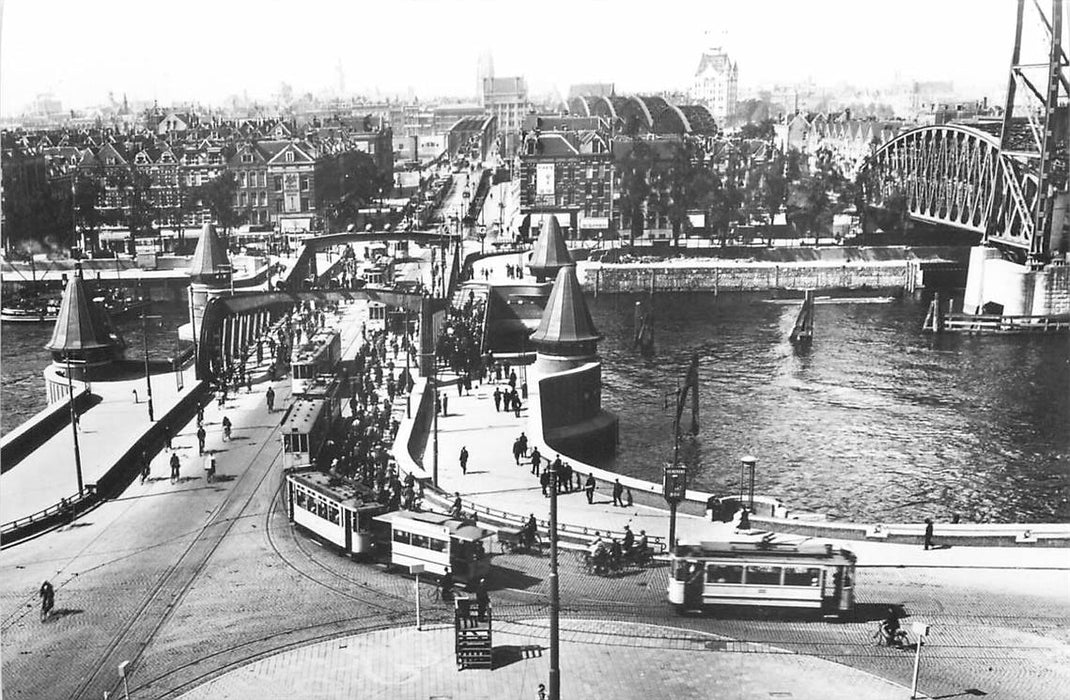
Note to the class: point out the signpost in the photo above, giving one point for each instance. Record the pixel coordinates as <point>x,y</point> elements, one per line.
<point>417,569</point>
<point>674,488</point>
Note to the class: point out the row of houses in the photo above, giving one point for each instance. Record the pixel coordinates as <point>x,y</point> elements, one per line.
<point>286,177</point>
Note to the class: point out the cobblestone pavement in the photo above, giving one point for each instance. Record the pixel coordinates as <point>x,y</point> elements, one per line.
<point>598,659</point>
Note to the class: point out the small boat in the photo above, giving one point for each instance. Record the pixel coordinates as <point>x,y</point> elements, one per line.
<point>31,311</point>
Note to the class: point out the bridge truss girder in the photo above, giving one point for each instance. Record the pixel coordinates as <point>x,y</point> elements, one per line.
<point>955,176</point>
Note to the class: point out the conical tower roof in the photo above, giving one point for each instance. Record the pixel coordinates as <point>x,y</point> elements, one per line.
<point>550,253</point>
<point>82,324</point>
<point>210,262</point>
<point>566,318</point>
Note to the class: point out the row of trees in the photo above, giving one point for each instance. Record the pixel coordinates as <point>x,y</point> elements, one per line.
<point>731,191</point>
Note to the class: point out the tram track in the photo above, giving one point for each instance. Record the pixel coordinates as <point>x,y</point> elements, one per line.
<point>156,606</point>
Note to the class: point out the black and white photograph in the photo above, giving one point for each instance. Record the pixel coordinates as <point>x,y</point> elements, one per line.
<point>489,350</point>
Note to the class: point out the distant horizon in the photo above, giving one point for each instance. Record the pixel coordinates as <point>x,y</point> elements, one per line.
<point>430,49</point>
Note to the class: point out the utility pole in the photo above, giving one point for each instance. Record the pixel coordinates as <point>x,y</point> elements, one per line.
<point>555,601</point>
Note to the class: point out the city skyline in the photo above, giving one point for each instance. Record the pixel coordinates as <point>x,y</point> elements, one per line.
<point>52,47</point>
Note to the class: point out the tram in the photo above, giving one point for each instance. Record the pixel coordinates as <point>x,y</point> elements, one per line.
<point>764,570</point>
<point>318,356</point>
<point>341,513</point>
<point>306,428</point>
<point>438,541</point>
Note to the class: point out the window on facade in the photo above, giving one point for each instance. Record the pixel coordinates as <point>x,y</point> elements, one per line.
<point>289,156</point>
<point>278,183</point>
<point>304,183</point>
<point>278,206</point>
<point>377,313</point>
<point>263,179</point>
<point>247,157</point>
<point>304,204</point>
<point>263,198</point>
<point>241,199</point>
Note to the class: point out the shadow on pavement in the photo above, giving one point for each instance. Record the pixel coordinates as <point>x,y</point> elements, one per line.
<point>505,577</point>
<point>511,653</point>
<point>62,612</point>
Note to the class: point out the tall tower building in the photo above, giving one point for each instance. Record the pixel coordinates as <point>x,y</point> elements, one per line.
<point>716,82</point>
<point>484,71</point>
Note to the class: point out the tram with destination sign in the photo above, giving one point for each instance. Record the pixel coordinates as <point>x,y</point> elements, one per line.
<point>763,570</point>
<point>318,356</point>
<point>307,427</point>
<point>345,514</point>
<point>341,512</point>
<point>437,541</point>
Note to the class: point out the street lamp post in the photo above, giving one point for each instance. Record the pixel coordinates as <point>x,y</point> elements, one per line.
<point>145,339</point>
<point>747,463</point>
<point>74,427</point>
<point>555,601</point>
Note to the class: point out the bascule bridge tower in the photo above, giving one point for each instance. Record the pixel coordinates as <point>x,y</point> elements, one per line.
<point>1021,267</point>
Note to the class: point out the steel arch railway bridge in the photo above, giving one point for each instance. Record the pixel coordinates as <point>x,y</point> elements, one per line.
<point>957,175</point>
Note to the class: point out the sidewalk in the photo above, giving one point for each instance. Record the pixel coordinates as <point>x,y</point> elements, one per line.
<point>106,432</point>
<point>598,659</point>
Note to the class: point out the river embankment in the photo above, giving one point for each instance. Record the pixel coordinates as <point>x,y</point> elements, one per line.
<point>761,269</point>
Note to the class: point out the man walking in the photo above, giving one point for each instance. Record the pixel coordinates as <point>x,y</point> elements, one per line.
<point>535,458</point>
<point>544,481</point>
<point>516,451</point>
<point>176,465</point>
<point>618,493</point>
<point>200,442</point>
<point>270,396</point>
<point>928,533</point>
<point>523,440</point>
<point>464,460</point>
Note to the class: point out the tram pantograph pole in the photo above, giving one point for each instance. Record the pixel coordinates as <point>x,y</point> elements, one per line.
<point>555,602</point>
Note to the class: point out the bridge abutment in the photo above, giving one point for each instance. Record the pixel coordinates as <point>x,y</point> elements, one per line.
<point>995,285</point>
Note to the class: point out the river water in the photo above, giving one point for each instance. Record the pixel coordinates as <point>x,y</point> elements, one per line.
<point>23,357</point>
<point>877,421</point>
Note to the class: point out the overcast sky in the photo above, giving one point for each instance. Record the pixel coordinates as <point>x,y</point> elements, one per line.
<point>208,49</point>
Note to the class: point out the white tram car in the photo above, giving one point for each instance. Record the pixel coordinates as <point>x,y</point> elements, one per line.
<point>764,570</point>
<point>342,514</point>
<point>438,541</point>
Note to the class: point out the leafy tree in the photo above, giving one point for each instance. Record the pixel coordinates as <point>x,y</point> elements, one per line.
<point>635,185</point>
<point>142,212</point>
<point>88,213</point>
<point>763,130</point>
<point>809,208</point>
<point>218,196</point>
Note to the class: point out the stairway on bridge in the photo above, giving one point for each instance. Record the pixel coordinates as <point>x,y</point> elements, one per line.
<point>479,290</point>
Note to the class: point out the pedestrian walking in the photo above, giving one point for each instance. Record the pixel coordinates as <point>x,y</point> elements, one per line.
<point>516,405</point>
<point>200,416</point>
<point>928,544</point>
<point>516,451</point>
<point>544,481</point>
<point>512,379</point>
<point>523,440</point>
<point>270,396</point>
<point>209,468</point>
<point>535,458</point>
<point>628,497</point>
<point>618,493</point>
<point>226,428</point>
<point>48,599</point>
<point>144,469</point>
<point>464,460</point>
<point>200,439</point>
<point>497,399</point>
<point>176,466</point>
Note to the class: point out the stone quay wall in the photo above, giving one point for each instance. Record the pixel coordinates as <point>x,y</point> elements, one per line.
<point>742,276</point>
